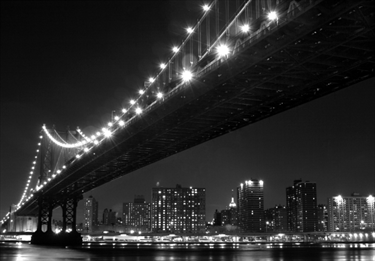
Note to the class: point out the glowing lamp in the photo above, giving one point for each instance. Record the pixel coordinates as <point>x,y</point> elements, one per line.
<point>222,50</point>
<point>186,75</point>
<point>175,49</point>
<point>138,110</point>
<point>159,95</point>
<point>272,16</point>
<point>107,133</point>
<point>245,28</point>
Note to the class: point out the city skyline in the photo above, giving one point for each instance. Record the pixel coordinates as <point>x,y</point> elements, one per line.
<point>75,72</point>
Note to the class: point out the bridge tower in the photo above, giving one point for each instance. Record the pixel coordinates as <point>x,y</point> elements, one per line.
<point>54,156</point>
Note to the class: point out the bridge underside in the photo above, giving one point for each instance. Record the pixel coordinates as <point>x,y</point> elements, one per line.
<point>321,50</point>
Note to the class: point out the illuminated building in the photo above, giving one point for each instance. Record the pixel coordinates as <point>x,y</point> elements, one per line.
<point>350,213</point>
<point>301,205</point>
<point>322,218</point>
<point>178,209</point>
<point>229,216</point>
<point>250,202</point>
<point>90,214</point>
<point>276,219</point>
<point>136,215</point>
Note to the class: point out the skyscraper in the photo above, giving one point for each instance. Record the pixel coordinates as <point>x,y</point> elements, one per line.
<point>105,217</point>
<point>301,205</point>
<point>229,216</point>
<point>178,209</point>
<point>250,201</point>
<point>322,218</point>
<point>136,215</point>
<point>90,213</point>
<point>351,213</point>
<point>276,219</point>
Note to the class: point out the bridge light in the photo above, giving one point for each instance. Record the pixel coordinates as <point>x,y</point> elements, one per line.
<point>124,110</point>
<point>151,80</point>
<point>96,142</point>
<point>189,30</point>
<point>110,124</point>
<point>138,110</point>
<point>222,50</point>
<point>132,102</point>
<point>272,16</point>
<point>245,28</point>
<point>86,149</point>
<point>163,65</point>
<point>206,8</point>
<point>175,49</point>
<point>78,156</point>
<point>107,133</point>
<point>159,95</point>
<point>141,92</point>
<point>116,118</point>
<point>121,123</point>
<point>186,75</point>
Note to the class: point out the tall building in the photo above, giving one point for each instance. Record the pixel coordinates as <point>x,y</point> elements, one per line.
<point>229,216</point>
<point>250,200</point>
<point>351,213</point>
<point>178,209</point>
<point>105,220</point>
<point>90,214</point>
<point>276,219</point>
<point>322,218</point>
<point>136,215</point>
<point>301,205</point>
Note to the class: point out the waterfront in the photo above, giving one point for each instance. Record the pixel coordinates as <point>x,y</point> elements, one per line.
<point>18,251</point>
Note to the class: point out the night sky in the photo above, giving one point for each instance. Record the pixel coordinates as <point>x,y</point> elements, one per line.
<point>73,63</point>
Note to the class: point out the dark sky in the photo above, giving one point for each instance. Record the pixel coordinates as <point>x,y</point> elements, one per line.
<point>72,63</point>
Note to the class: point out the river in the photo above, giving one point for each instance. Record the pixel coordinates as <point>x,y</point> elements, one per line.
<point>17,251</point>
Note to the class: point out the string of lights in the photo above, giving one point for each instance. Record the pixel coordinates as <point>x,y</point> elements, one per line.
<point>120,121</point>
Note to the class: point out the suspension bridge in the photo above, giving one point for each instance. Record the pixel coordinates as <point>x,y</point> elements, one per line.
<point>243,61</point>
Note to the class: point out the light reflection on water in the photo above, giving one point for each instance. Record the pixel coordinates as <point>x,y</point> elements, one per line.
<point>185,252</point>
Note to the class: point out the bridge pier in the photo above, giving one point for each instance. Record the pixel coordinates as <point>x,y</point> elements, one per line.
<point>48,237</point>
